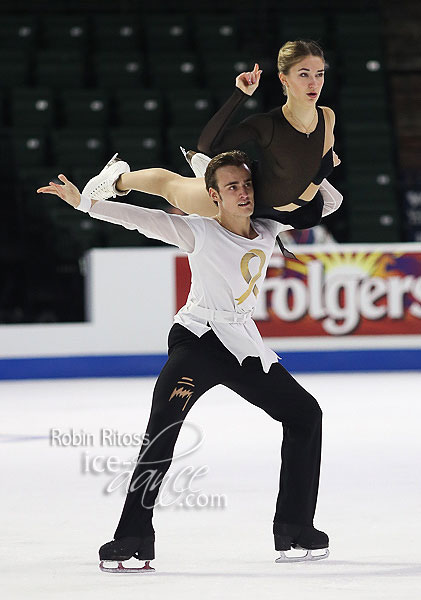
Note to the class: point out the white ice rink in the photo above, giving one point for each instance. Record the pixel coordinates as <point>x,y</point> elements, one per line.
<point>54,516</point>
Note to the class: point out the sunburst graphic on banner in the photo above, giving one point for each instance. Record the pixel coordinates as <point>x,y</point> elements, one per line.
<point>374,264</point>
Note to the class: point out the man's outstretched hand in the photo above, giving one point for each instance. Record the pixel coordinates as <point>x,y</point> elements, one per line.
<point>67,192</point>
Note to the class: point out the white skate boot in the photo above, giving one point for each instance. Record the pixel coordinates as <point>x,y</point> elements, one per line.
<point>197,161</point>
<point>103,185</point>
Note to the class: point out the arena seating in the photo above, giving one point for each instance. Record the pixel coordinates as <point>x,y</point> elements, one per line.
<point>78,87</point>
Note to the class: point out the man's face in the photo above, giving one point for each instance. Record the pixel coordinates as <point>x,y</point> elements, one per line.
<point>236,194</point>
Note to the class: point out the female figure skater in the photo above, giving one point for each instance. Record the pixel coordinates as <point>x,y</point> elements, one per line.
<point>295,140</point>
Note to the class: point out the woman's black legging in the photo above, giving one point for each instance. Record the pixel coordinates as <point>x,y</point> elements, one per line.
<point>194,366</point>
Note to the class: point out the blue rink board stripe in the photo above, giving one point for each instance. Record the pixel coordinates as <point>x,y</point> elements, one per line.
<point>149,365</point>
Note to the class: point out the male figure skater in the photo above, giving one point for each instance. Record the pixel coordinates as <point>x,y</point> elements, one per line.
<point>214,340</point>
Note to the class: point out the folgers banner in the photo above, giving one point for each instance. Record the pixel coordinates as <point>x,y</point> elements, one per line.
<point>346,291</point>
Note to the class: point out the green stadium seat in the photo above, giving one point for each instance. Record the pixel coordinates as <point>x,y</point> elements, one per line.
<point>369,177</point>
<point>358,106</point>
<point>39,207</point>
<point>134,108</point>
<point>79,148</point>
<point>119,32</point>
<point>370,197</point>
<point>364,149</point>
<point>220,71</point>
<point>74,233</point>
<point>32,108</point>
<point>167,33</point>
<point>381,172</point>
<point>303,27</point>
<point>140,148</point>
<point>352,27</point>
<point>85,108</point>
<point>28,148</point>
<point>217,33</point>
<point>3,120</point>
<point>372,226</point>
<point>14,68</point>
<point>194,108</point>
<point>363,130</point>
<point>364,71</point>
<point>119,70</point>
<point>363,52</point>
<point>60,70</point>
<point>35,177</point>
<point>18,32</point>
<point>65,32</point>
<point>36,206</point>
<point>177,71</point>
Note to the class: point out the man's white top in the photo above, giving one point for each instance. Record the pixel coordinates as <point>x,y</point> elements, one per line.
<point>227,271</point>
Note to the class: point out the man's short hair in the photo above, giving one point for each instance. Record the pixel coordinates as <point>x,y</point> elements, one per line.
<point>234,158</point>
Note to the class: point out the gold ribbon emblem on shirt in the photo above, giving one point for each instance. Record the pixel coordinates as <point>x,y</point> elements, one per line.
<point>245,271</point>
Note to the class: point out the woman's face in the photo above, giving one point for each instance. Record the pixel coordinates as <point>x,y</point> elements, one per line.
<point>305,79</point>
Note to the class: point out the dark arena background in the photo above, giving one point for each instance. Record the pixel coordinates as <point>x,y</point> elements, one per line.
<point>82,80</point>
<point>86,306</point>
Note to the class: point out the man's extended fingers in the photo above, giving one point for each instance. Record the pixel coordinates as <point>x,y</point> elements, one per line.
<point>51,188</point>
<point>48,189</point>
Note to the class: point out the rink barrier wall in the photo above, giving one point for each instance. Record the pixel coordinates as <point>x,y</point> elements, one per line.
<point>341,308</point>
<point>150,365</point>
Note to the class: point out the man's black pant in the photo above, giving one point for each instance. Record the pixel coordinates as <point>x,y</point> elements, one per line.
<point>194,366</point>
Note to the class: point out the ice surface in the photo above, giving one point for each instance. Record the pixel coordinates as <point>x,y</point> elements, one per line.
<point>54,517</point>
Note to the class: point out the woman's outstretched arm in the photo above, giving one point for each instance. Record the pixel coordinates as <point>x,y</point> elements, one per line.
<point>217,136</point>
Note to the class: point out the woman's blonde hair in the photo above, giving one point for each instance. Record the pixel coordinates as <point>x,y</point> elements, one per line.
<point>292,52</point>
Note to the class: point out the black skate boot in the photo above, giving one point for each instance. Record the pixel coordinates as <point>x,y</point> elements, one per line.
<point>126,548</point>
<point>303,537</point>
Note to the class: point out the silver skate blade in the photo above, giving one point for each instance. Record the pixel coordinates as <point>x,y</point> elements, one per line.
<point>308,556</point>
<point>122,569</point>
<point>112,160</point>
<point>184,151</point>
